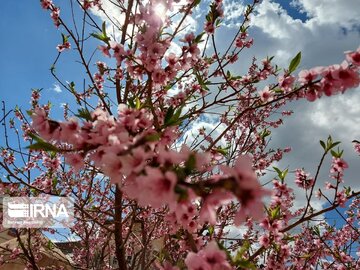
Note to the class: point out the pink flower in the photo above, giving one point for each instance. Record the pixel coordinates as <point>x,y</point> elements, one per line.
<point>248,191</point>
<point>46,185</point>
<point>311,95</point>
<point>302,179</point>
<point>357,147</point>
<point>63,47</point>
<point>286,83</point>
<point>345,77</point>
<point>264,240</point>
<point>266,95</point>
<point>46,4</point>
<point>307,76</point>
<point>341,198</point>
<point>211,202</point>
<point>159,77</point>
<point>75,160</point>
<point>338,165</point>
<point>155,188</point>
<point>353,57</point>
<point>156,50</point>
<point>104,50</point>
<point>209,258</point>
<point>172,59</point>
<point>112,166</point>
<point>239,43</point>
<point>55,15</point>
<point>46,128</point>
<point>119,51</point>
<point>209,28</point>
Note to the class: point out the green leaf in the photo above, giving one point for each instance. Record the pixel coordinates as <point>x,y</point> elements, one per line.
<point>322,143</point>
<point>183,194</point>
<point>281,174</point>
<point>284,173</point>
<point>201,81</point>
<point>295,62</point>
<point>137,103</point>
<point>334,144</point>
<point>223,151</point>
<point>64,38</point>
<point>196,3</point>
<point>275,212</point>
<point>43,146</point>
<point>50,245</point>
<point>211,230</point>
<point>239,254</point>
<point>277,170</point>
<point>72,87</point>
<point>246,264</point>
<point>52,68</point>
<point>101,37</point>
<point>190,164</point>
<point>84,114</point>
<point>131,103</point>
<point>152,138</point>
<point>169,114</point>
<point>171,118</point>
<point>198,38</point>
<point>104,28</point>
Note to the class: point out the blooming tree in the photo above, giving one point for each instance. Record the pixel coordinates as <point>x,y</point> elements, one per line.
<point>147,194</point>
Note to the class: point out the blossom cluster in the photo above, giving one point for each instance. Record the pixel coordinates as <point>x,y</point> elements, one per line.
<point>145,168</point>
<point>333,79</point>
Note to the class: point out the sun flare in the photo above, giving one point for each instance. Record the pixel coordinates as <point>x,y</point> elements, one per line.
<point>160,10</point>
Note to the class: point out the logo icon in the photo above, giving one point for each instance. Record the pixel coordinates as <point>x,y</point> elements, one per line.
<point>18,210</point>
<point>38,212</point>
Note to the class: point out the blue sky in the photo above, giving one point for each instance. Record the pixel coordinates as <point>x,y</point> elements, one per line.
<point>27,50</point>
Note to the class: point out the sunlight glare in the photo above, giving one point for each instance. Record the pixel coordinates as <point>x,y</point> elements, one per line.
<point>160,10</point>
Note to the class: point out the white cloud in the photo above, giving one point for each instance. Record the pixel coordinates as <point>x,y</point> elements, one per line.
<point>211,128</point>
<point>331,11</point>
<point>338,113</point>
<point>322,42</point>
<point>233,10</point>
<point>56,88</point>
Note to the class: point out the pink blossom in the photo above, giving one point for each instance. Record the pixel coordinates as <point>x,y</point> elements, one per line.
<point>264,240</point>
<point>119,51</point>
<point>307,76</point>
<point>63,47</point>
<point>303,180</point>
<point>75,160</point>
<point>105,50</point>
<point>209,258</point>
<point>46,4</point>
<point>338,165</point>
<point>353,57</point>
<point>211,203</point>
<point>209,28</point>
<point>341,198</point>
<point>239,43</point>
<point>55,15</point>
<point>286,82</point>
<point>266,95</point>
<point>155,188</point>
<point>248,191</point>
<point>357,147</point>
